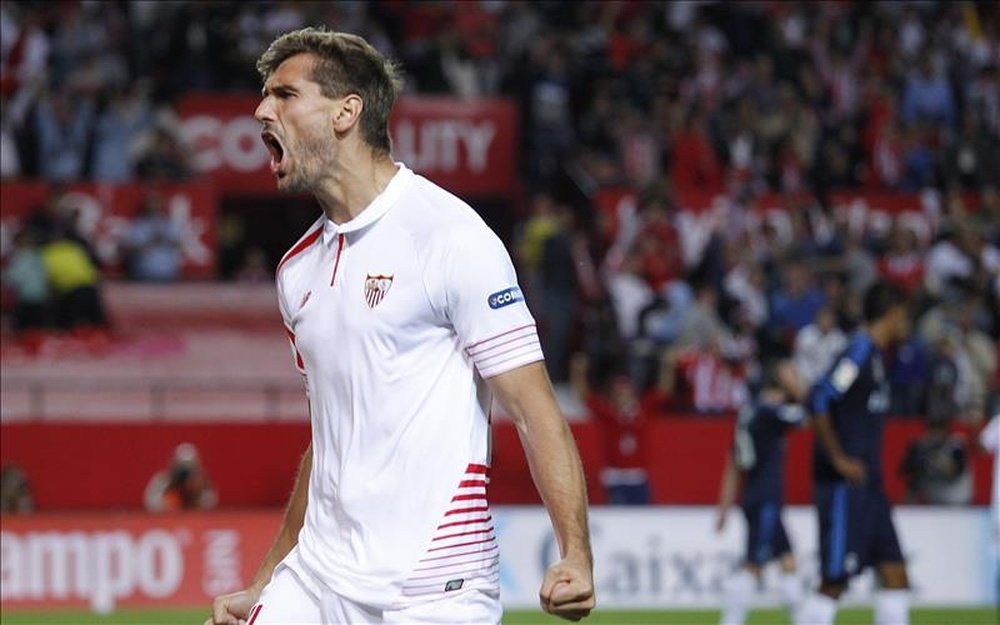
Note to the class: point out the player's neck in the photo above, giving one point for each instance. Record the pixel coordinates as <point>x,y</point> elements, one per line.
<point>354,184</point>
<point>879,334</point>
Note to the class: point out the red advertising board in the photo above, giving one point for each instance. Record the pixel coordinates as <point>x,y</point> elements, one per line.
<point>105,212</point>
<point>467,146</point>
<point>102,561</point>
<point>686,458</point>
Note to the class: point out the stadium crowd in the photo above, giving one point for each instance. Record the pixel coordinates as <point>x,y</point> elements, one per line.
<point>741,99</point>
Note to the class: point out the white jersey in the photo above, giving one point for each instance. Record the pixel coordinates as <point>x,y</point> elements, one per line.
<point>395,319</point>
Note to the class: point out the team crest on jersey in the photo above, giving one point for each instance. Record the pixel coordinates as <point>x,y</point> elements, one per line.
<point>375,289</point>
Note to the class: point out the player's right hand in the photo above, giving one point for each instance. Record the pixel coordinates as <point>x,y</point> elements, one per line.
<point>233,609</point>
<point>851,469</point>
<point>568,589</point>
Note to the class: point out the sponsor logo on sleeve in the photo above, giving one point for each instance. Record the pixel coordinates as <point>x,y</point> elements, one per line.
<point>844,375</point>
<point>506,297</point>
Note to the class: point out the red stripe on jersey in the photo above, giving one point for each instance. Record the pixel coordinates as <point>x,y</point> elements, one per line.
<point>447,536</point>
<point>479,497</point>
<point>469,348</point>
<point>459,555</point>
<point>472,484</point>
<point>467,510</point>
<point>306,241</point>
<point>477,468</point>
<point>479,355</point>
<point>298,357</point>
<point>254,613</point>
<point>468,544</point>
<point>336,263</point>
<point>469,522</point>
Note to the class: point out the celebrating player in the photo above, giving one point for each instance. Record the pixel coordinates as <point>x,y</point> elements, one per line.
<point>758,459</point>
<point>405,318</point>
<point>855,518</point>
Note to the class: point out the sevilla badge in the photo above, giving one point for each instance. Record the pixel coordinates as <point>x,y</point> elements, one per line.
<point>375,289</point>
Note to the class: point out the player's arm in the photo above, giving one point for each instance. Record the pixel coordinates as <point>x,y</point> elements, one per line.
<point>568,589</point>
<point>728,487</point>
<point>828,389</point>
<point>232,609</point>
<point>852,469</point>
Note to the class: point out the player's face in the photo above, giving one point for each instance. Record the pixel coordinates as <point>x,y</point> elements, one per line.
<point>298,127</point>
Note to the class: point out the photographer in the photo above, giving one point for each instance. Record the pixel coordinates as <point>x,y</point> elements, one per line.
<point>182,486</point>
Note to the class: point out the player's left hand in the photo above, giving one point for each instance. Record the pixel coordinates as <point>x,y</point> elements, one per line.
<point>568,589</point>
<point>720,520</point>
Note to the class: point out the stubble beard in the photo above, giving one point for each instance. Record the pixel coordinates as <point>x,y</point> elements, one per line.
<point>313,161</point>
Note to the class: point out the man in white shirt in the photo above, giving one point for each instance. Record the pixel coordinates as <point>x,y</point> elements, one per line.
<point>405,318</point>
<point>817,345</point>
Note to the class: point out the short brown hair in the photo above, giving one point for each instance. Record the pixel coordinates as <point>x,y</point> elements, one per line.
<point>347,64</point>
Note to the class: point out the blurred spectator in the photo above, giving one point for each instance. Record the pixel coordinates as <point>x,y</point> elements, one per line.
<point>614,402</point>
<point>816,346</point>
<point>26,277</point>
<point>947,260</point>
<point>125,116</point>
<point>63,123</point>
<point>903,262</point>
<point>703,379</point>
<point>549,114</point>
<point>909,377</point>
<point>255,269</point>
<point>559,284</point>
<point>971,158</point>
<point>15,491</point>
<point>919,159</point>
<point>936,467</point>
<point>181,486</point>
<point>75,282</point>
<point>152,245</point>
<point>795,304</point>
<point>542,223</point>
<point>928,96</point>
<point>24,45</point>
<point>702,325</point>
<point>693,161</point>
<point>164,160</point>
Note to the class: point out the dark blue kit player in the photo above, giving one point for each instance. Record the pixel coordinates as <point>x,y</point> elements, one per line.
<point>848,406</point>
<point>757,460</point>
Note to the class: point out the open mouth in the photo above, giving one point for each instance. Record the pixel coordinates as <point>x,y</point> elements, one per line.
<point>275,148</point>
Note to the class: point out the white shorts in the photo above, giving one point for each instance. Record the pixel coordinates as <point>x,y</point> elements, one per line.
<point>286,601</point>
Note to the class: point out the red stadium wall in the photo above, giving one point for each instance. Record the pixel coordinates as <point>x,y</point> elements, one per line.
<point>72,466</point>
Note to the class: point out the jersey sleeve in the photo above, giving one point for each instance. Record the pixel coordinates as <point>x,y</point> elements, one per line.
<point>485,305</point>
<point>840,378</point>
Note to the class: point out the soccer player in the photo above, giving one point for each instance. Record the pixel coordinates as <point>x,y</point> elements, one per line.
<point>757,460</point>
<point>405,318</point>
<point>848,407</point>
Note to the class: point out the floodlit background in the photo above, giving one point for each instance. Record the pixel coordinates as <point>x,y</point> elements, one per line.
<point>690,191</point>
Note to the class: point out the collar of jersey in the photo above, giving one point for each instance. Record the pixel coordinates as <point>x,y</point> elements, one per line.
<point>374,211</point>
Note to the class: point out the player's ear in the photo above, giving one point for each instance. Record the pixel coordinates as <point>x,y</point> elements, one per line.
<point>348,113</point>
